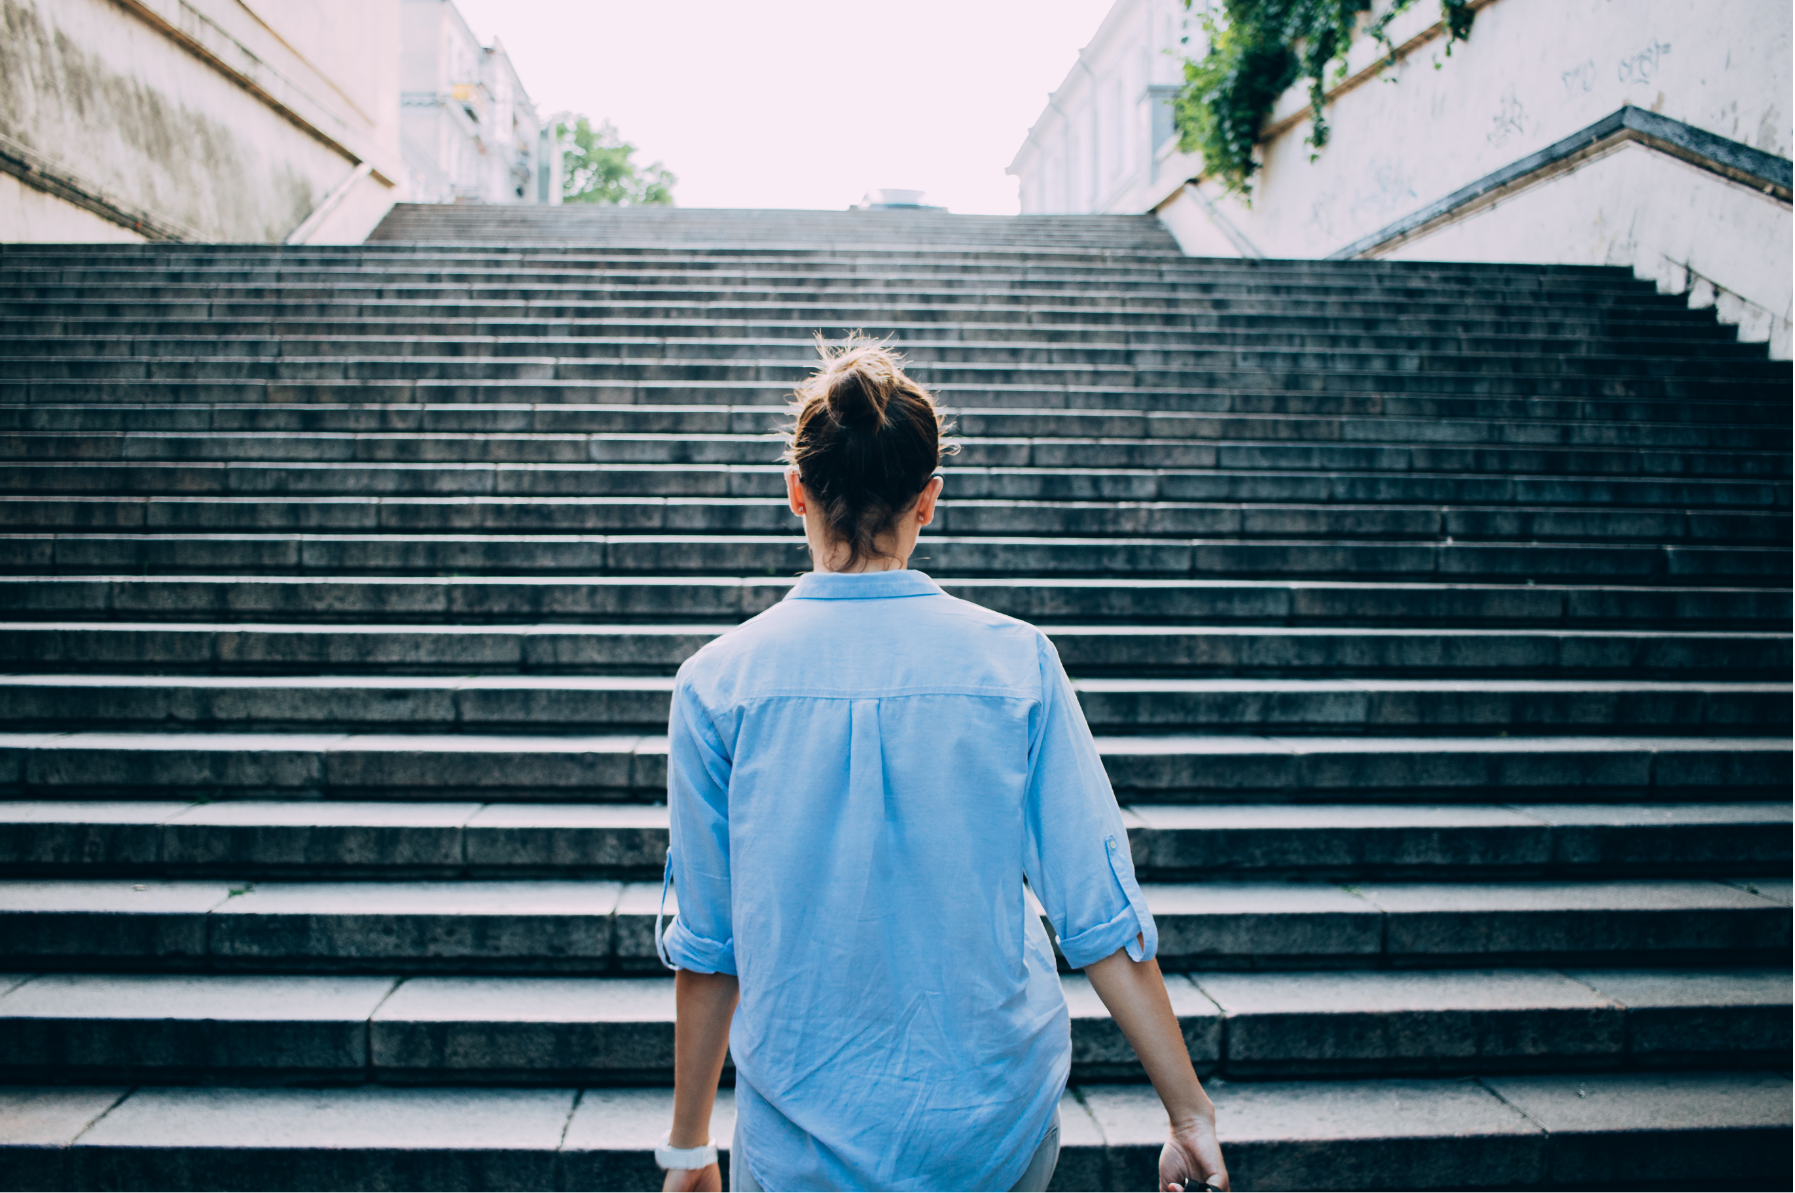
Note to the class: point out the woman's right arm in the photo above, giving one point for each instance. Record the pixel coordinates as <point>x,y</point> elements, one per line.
<point>1135,994</point>
<point>704,1004</point>
<point>700,943</point>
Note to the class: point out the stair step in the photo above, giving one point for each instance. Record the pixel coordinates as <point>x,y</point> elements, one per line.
<point>134,310</point>
<point>703,356</point>
<point>590,703</point>
<point>546,1031</point>
<point>1392,705</point>
<point>1057,291</point>
<point>1184,769</point>
<point>1512,1132</point>
<point>1083,301</point>
<point>1211,769</point>
<point>1560,1131</point>
<point>514,515</point>
<point>548,600</point>
<point>86,428</point>
<point>1098,279</point>
<point>262,478</point>
<point>270,839</point>
<point>993,244</point>
<point>1087,650</point>
<point>595,927</point>
<point>1037,289</point>
<point>1269,374</point>
<point>1039,451</point>
<point>261,838</point>
<point>763,395</point>
<point>708,332</point>
<point>923,332</point>
<point>1359,840</point>
<point>670,552</point>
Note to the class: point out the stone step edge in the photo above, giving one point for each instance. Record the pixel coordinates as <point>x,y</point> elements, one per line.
<point>1099,631</point>
<point>1213,745</point>
<point>769,413</point>
<point>1575,1130</point>
<point>664,683</point>
<point>754,472</point>
<point>778,584</point>
<point>733,502</point>
<point>985,279</point>
<point>618,767</point>
<point>650,818</point>
<point>302,840</point>
<point>945,580</point>
<point>753,539</point>
<point>596,927</point>
<point>636,903</point>
<point>1237,1023</point>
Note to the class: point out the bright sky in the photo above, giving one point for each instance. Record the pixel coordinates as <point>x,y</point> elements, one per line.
<point>803,103</point>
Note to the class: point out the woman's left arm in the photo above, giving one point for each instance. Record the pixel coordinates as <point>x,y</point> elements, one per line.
<point>704,1005</point>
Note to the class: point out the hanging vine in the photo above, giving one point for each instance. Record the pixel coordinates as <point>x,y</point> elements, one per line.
<point>1257,49</point>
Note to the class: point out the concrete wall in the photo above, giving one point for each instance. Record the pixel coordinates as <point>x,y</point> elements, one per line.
<point>28,214</point>
<point>1724,244</point>
<point>1533,73</point>
<point>211,119</point>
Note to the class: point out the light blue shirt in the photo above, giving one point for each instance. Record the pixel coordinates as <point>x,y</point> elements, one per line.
<point>859,780</point>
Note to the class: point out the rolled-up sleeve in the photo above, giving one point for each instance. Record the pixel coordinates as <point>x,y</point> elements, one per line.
<point>701,938</point>
<point>1076,853</point>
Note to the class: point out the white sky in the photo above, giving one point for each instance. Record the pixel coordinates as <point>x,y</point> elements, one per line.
<point>803,103</point>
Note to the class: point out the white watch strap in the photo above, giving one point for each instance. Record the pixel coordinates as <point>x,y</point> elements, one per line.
<point>684,1157</point>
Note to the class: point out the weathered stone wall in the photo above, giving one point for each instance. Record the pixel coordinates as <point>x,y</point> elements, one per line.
<point>205,117</point>
<point>1535,72</point>
<point>29,214</point>
<point>1694,233</point>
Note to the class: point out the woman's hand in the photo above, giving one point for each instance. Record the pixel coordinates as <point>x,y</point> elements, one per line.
<point>1192,1158</point>
<point>708,1179</point>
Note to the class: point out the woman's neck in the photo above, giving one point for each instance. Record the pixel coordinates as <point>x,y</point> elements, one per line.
<point>881,564</point>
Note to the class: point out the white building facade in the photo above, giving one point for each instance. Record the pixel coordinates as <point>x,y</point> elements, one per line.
<point>1654,134</point>
<point>1094,147</point>
<point>470,131</point>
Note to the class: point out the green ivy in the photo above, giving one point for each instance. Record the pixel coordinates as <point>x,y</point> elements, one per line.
<point>1257,50</point>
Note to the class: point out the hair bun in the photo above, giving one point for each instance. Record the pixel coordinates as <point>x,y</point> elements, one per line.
<point>857,387</point>
<point>866,439</point>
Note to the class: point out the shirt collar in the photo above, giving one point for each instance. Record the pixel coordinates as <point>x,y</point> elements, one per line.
<point>862,586</point>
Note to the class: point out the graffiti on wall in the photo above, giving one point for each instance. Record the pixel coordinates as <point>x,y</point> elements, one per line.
<point>1643,66</point>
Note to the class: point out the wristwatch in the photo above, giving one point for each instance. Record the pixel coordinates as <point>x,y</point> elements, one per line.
<point>670,1157</point>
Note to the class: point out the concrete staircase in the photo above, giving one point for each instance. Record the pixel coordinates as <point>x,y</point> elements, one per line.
<point>1433,620</point>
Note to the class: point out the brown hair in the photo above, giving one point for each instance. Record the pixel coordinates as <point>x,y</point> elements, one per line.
<point>866,441</point>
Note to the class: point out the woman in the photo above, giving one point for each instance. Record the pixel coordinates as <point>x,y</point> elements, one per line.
<point>860,778</point>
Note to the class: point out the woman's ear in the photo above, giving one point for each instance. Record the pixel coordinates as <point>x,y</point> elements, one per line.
<point>925,501</point>
<point>794,491</point>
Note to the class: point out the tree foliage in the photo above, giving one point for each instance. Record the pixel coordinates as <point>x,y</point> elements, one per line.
<point>1257,48</point>
<point>596,168</point>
